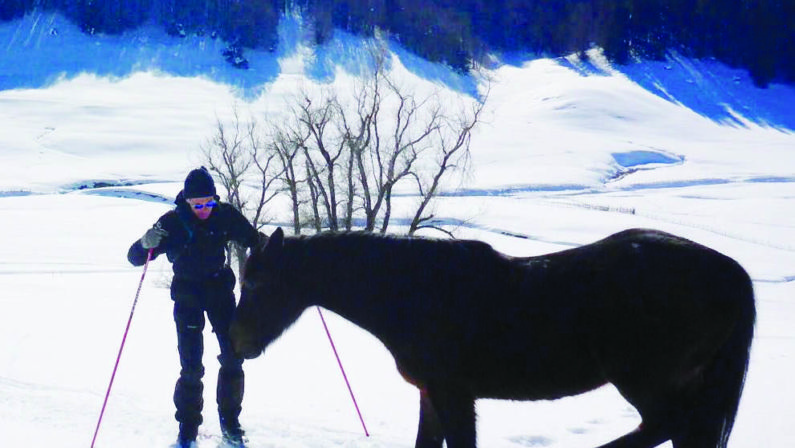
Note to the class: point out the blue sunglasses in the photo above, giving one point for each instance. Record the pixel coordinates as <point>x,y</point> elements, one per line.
<point>210,204</point>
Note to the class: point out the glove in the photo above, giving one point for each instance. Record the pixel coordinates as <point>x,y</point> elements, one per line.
<point>152,237</point>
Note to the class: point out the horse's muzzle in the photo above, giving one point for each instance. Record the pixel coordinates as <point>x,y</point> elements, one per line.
<point>243,345</point>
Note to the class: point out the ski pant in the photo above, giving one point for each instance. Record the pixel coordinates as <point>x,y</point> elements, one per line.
<point>218,301</point>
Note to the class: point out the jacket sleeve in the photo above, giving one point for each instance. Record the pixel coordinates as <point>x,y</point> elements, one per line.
<point>241,229</point>
<point>136,255</point>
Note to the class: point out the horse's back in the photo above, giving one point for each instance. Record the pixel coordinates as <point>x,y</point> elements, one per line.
<point>661,304</point>
<point>640,302</point>
<point>653,262</point>
<point>673,268</point>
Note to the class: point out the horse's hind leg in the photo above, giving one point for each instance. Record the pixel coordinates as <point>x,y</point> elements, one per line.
<point>429,433</point>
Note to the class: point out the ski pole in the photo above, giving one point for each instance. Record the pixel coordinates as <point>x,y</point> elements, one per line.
<point>344,376</point>
<point>123,340</point>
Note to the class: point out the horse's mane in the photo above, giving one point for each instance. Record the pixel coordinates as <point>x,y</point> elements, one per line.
<point>364,248</point>
<point>357,242</point>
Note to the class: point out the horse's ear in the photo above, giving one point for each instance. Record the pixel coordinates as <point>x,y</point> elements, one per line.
<point>277,237</point>
<point>275,242</point>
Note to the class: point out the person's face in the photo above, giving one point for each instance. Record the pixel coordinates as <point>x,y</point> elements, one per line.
<point>202,207</point>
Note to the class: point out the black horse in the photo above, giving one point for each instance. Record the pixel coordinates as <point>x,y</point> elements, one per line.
<point>667,321</point>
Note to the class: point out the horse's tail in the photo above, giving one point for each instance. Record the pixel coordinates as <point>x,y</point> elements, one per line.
<point>724,378</point>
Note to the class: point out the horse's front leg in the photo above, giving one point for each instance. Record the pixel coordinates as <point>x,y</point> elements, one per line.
<point>455,415</point>
<point>429,433</point>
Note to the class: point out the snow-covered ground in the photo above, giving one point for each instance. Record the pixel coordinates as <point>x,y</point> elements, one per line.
<point>570,152</point>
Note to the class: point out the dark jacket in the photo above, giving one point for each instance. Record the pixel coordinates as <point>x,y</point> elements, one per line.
<point>196,247</point>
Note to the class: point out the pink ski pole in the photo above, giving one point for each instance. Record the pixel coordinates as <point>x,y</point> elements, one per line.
<point>344,376</point>
<point>123,340</point>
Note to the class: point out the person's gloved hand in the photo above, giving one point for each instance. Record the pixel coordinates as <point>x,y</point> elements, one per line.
<point>152,237</point>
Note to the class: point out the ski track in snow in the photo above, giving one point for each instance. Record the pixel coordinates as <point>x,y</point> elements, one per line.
<point>568,190</point>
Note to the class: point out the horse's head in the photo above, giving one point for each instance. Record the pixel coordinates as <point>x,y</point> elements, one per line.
<point>266,305</point>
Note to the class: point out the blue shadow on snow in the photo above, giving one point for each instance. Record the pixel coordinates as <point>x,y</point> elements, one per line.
<point>44,47</point>
<point>709,88</point>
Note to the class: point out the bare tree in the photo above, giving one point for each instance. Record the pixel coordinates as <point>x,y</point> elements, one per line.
<point>452,143</point>
<point>314,195</point>
<point>226,155</point>
<point>265,159</point>
<point>315,118</point>
<point>287,144</point>
<point>393,135</point>
<point>230,154</point>
<point>385,133</point>
<point>412,129</point>
<point>360,134</point>
<point>343,155</point>
<point>350,191</point>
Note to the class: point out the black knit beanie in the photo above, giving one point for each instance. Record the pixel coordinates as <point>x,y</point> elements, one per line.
<point>198,184</point>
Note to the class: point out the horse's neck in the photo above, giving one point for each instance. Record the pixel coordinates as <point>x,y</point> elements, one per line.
<point>321,267</point>
<point>335,274</point>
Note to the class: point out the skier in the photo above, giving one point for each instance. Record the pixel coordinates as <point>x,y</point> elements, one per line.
<point>193,237</point>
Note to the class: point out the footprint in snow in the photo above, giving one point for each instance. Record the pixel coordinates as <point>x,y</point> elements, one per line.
<point>532,441</point>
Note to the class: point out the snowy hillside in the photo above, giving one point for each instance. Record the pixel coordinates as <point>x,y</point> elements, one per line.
<point>96,135</point>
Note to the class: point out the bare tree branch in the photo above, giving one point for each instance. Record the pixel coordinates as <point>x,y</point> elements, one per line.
<point>226,155</point>
<point>346,155</point>
<point>451,152</point>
